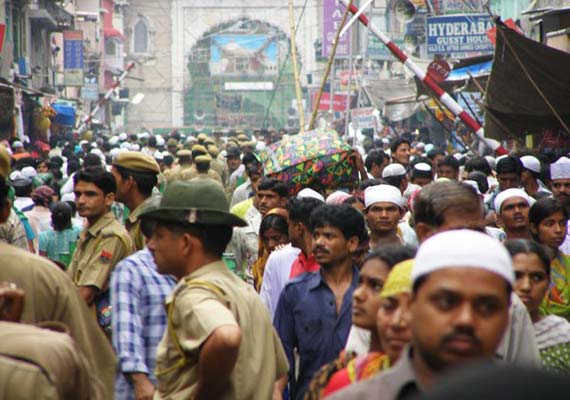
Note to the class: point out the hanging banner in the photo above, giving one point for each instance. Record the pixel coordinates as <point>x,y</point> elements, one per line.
<point>363,118</point>
<point>73,58</point>
<point>332,17</point>
<point>339,101</point>
<point>459,34</point>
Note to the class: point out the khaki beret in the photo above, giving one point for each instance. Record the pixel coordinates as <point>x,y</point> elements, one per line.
<point>4,162</point>
<point>242,137</point>
<point>209,141</point>
<point>213,150</point>
<point>136,161</point>
<point>184,153</point>
<point>171,142</point>
<point>203,159</point>
<point>202,137</point>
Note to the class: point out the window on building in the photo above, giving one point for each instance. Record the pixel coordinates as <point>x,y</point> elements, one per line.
<point>141,36</point>
<point>111,48</point>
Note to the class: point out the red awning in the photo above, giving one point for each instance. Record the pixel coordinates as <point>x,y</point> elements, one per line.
<point>113,33</point>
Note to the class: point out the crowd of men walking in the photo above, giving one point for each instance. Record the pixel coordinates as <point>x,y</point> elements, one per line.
<point>151,267</point>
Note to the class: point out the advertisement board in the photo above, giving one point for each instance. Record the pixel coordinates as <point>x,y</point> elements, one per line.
<point>459,34</point>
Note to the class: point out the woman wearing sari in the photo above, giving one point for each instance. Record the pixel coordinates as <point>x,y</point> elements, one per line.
<point>532,272</point>
<point>548,224</point>
<point>273,232</point>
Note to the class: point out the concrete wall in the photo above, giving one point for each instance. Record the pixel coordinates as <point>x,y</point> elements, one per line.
<point>152,72</point>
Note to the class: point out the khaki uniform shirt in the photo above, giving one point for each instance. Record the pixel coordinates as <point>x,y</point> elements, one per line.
<point>192,172</point>
<point>38,363</point>
<point>196,312</point>
<point>13,232</point>
<point>52,296</point>
<point>133,226</point>
<point>221,169</point>
<point>99,249</point>
<point>208,178</point>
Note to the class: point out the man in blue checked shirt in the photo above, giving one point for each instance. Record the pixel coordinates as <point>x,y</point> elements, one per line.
<point>138,321</point>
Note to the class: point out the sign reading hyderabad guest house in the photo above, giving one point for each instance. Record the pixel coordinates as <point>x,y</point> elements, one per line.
<point>459,34</point>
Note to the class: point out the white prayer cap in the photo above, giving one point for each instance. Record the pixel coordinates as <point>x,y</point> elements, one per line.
<point>17,144</point>
<point>466,249</point>
<point>509,193</point>
<point>560,169</point>
<point>383,194</point>
<point>422,169</point>
<point>473,184</point>
<point>126,145</point>
<point>114,152</point>
<point>29,172</point>
<point>309,193</point>
<point>337,197</point>
<point>393,170</point>
<point>113,140</point>
<point>135,147</point>
<point>159,140</point>
<point>429,147</point>
<point>531,163</point>
<point>122,137</point>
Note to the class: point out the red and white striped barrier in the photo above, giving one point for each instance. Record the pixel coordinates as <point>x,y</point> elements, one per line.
<point>442,95</point>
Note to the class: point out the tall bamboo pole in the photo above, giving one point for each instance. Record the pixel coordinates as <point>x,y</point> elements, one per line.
<point>328,68</point>
<point>296,68</point>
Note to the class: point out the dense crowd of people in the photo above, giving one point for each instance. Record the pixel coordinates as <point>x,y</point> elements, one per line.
<point>172,267</point>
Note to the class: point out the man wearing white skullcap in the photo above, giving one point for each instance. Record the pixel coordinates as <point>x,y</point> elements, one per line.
<point>309,193</point>
<point>444,206</point>
<point>452,322</point>
<point>384,210</point>
<point>530,178</point>
<point>395,175</point>
<point>560,177</point>
<point>512,207</point>
<point>422,174</point>
<point>560,185</point>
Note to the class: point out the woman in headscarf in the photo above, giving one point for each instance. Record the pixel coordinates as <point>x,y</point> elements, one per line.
<point>40,215</point>
<point>532,272</point>
<point>273,232</point>
<point>548,224</point>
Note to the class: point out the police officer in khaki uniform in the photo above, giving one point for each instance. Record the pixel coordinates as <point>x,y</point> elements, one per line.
<point>51,296</point>
<point>203,164</point>
<point>184,164</point>
<point>136,175</point>
<point>220,343</point>
<point>104,241</point>
<point>199,150</point>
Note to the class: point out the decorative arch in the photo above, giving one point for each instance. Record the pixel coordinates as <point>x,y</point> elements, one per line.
<point>233,68</point>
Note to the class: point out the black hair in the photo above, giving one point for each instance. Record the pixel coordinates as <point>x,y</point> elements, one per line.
<point>352,200</point>
<point>202,167</point>
<point>248,158</point>
<point>61,214</point>
<point>509,165</point>
<point>343,217</point>
<point>434,200</point>
<point>91,160</point>
<point>478,164</point>
<point>397,143</point>
<point>168,160</point>
<point>395,181</point>
<point>363,185</point>
<point>375,156</point>
<point>73,166</point>
<point>23,188</point>
<point>54,162</point>
<point>525,246</point>
<point>99,177</point>
<point>543,209</point>
<point>480,179</point>
<point>275,221</point>
<point>300,210</point>
<point>152,141</point>
<point>434,153</point>
<point>274,185</point>
<point>145,181</point>
<point>392,254</point>
<point>4,189</point>
<point>449,161</point>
